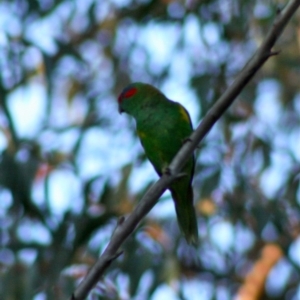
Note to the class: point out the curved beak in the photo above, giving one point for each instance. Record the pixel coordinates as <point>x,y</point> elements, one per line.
<point>120,110</point>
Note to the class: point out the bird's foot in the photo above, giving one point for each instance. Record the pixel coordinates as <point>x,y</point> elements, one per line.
<point>167,171</point>
<point>180,175</point>
<point>188,139</point>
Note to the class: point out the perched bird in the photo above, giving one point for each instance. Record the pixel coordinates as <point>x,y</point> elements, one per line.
<point>163,126</point>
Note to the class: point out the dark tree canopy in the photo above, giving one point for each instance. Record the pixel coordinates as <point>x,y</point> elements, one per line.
<point>71,166</point>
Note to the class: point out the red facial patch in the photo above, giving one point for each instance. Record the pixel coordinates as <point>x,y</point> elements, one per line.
<point>127,93</point>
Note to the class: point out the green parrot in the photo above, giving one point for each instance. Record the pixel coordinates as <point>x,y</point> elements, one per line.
<point>163,126</point>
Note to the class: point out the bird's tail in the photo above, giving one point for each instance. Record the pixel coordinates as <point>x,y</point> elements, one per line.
<point>186,214</point>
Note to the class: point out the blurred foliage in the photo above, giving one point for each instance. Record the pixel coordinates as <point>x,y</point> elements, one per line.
<point>81,54</point>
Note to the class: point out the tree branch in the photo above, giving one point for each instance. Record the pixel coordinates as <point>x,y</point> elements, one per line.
<point>124,229</point>
<point>3,103</point>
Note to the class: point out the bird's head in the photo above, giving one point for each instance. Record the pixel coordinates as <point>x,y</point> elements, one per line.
<point>136,96</point>
<point>127,96</point>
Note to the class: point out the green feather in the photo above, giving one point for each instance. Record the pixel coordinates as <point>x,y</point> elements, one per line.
<point>162,126</point>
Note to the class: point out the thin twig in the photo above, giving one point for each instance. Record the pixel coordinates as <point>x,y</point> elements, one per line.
<point>151,197</point>
<point>11,125</point>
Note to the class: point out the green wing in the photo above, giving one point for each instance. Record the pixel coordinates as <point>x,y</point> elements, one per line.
<point>164,133</point>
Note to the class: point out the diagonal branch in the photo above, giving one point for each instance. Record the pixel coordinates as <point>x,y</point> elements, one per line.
<point>125,228</point>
